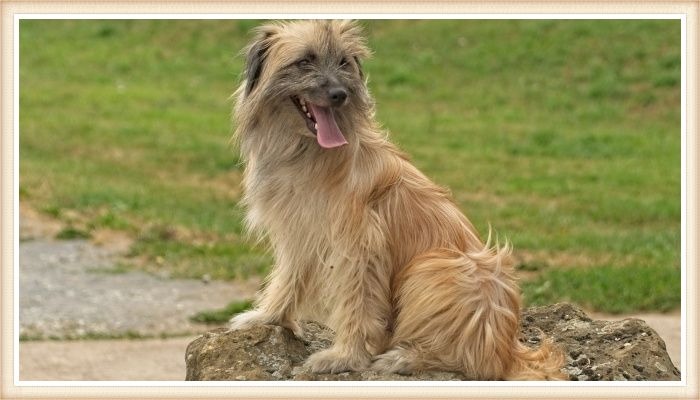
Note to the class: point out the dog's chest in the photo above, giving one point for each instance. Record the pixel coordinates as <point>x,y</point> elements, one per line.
<point>285,203</point>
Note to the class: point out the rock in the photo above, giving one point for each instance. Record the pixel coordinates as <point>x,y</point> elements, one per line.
<point>595,350</point>
<point>602,350</point>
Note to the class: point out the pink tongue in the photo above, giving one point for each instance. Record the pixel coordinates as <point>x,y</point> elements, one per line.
<point>328,134</point>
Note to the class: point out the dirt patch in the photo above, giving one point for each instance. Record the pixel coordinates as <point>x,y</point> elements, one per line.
<point>118,242</point>
<point>534,262</point>
<point>33,224</point>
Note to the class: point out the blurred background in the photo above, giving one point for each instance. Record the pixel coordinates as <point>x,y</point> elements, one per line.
<point>564,135</point>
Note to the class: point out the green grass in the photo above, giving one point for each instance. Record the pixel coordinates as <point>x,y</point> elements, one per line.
<point>223,315</point>
<point>613,289</point>
<point>70,232</point>
<point>564,135</point>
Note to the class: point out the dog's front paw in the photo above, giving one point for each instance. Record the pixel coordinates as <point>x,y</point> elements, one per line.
<point>257,317</point>
<point>331,361</point>
<point>248,319</point>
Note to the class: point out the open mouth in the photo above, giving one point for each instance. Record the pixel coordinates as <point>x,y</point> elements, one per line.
<point>321,122</point>
<point>306,113</point>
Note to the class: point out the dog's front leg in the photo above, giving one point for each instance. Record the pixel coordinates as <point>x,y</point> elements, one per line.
<point>360,318</point>
<point>277,302</point>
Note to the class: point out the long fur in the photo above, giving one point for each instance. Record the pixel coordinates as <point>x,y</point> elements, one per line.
<point>362,239</point>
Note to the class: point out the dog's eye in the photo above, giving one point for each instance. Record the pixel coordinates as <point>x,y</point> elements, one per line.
<point>306,61</point>
<point>344,62</point>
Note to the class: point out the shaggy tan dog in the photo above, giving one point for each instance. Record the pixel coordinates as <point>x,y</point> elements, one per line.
<point>363,240</point>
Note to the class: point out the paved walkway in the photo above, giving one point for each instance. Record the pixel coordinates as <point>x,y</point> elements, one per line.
<point>74,289</point>
<point>71,289</point>
<point>104,360</point>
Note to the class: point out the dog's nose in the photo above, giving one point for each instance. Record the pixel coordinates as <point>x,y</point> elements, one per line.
<point>337,96</point>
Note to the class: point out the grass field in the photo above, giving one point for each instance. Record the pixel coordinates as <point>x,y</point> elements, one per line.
<point>563,135</point>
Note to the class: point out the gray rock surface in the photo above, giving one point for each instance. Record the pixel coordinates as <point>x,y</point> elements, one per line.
<point>72,289</point>
<point>626,349</point>
<point>595,350</point>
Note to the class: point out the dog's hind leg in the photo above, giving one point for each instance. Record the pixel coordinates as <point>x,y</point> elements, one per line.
<point>456,312</point>
<point>402,360</point>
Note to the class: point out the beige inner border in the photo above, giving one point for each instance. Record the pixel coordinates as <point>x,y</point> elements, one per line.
<point>563,390</point>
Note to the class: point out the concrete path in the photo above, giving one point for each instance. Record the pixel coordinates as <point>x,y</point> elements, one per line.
<point>104,360</point>
<point>70,289</point>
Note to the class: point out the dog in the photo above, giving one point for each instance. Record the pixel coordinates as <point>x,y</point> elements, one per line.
<point>362,240</point>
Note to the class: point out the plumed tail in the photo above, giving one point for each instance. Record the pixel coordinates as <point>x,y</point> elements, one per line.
<point>543,363</point>
<point>495,327</point>
<point>461,311</point>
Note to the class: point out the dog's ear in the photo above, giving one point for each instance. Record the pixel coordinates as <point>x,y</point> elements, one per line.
<point>256,53</point>
<point>254,63</point>
<point>356,42</point>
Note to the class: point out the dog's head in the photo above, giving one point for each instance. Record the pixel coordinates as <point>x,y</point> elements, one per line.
<point>312,66</point>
